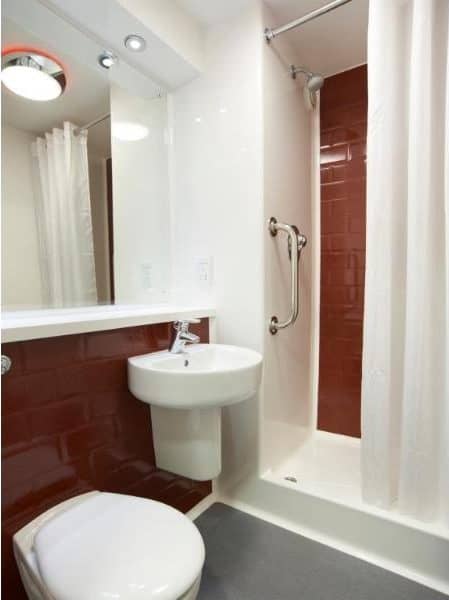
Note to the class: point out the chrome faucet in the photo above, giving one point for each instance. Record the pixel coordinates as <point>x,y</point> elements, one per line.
<point>182,336</point>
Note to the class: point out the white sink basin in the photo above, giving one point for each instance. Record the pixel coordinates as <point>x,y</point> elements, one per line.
<point>204,376</point>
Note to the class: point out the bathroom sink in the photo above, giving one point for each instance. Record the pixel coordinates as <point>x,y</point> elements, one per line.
<point>203,376</point>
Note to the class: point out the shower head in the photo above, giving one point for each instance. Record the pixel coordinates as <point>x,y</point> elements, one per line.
<point>314,82</point>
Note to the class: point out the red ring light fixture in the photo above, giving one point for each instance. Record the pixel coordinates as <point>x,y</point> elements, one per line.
<point>32,75</point>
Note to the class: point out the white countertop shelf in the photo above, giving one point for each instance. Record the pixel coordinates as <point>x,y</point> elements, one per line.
<point>23,325</point>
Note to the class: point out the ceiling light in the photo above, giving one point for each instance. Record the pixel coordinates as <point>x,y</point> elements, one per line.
<point>135,43</point>
<point>107,59</point>
<point>129,131</point>
<point>33,76</point>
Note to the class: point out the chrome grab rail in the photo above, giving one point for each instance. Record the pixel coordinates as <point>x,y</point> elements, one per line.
<point>295,240</point>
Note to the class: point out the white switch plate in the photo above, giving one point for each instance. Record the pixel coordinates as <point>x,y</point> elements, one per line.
<point>146,274</point>
<point>203,269</point>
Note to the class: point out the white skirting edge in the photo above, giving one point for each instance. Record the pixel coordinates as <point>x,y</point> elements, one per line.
<point>389,565</point>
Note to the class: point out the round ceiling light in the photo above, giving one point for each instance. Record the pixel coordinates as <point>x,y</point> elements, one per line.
<point>135,43</point>
<point>33,76</point>
<point>129,131</point>
<point>107,59</point>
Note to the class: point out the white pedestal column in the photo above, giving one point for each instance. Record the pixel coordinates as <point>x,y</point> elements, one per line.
<point>188,442</point>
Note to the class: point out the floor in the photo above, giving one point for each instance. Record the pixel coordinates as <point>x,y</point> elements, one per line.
<point>250,559</point>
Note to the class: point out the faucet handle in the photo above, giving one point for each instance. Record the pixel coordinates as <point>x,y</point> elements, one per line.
<point>183,324</point>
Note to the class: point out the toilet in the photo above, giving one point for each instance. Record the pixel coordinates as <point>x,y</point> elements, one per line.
<point>102,545</point>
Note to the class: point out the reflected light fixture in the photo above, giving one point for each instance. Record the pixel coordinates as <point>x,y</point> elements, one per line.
<point>33,76</point>
<point>128,131</point>
<point>107,59</point>
<point>135,43</point>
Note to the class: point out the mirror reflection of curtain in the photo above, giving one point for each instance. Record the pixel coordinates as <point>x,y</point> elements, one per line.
<point>64,218</point>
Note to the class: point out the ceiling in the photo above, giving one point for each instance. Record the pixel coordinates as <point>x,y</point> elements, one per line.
<point>85,98</point>
<point>212,12</point>
<point>329,44</point>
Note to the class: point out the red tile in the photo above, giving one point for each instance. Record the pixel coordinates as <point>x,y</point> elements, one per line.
<point>15,394</point>
<point>54,482</point>
<point>30,462</point>
<point>333,191</point>
<point>58,417</point>
<point>343,215</point>
<point>334,154</point>
<point>107,403</point>
<point>117,343</point>
<point>41,388</point>
<point>15,430</point>
<point>16,498</point>
<point>128,474</point>
<point>80,441</point>
<point>158,336</point>
<point>53,352</point>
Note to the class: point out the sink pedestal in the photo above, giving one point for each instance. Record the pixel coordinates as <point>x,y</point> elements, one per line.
<point>186,391</point>
<point>188,442</point>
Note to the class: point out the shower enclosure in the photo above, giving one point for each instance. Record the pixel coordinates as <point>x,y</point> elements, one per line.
<point>309,474</point>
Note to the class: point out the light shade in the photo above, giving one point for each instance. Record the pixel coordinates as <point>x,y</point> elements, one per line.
<point>33,77</point>
<point>129,131</point>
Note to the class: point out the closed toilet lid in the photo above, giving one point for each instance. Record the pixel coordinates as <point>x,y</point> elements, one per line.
<point>113,546</point>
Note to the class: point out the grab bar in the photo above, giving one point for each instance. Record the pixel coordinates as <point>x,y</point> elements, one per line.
<point>295,240</point>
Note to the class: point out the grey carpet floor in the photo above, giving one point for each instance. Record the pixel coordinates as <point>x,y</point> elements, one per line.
<point>250,559</point>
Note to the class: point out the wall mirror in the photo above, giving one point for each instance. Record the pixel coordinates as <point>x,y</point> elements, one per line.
<point>84,172</point>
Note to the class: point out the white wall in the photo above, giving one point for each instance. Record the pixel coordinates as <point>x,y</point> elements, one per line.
<point>142,263</point>
<point>217,203</point>
<point>100,225</point>
<point>288,408</point>
<point>21,279</point>
<point>242,153</point>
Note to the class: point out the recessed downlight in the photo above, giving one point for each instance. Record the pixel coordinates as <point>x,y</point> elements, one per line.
<point>107,59</point>
<point>33,76</point>
<point>135,43</point>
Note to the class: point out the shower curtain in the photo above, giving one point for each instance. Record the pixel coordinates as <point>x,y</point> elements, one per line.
<point>405,387</point>
<point>64,218</point>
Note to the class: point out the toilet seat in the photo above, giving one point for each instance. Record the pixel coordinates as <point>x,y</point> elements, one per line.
<point>117,546</point>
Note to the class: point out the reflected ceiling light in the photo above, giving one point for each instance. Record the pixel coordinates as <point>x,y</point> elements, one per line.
<point>129,131</point>
<point>107,59</point>
<point>33,76</point>
<point>135,43</point>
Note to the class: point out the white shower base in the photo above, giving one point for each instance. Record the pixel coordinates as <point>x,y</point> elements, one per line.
<point>326,464</point>
<point>325,504</point>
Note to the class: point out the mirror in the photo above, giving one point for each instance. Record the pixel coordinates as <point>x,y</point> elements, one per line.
<point>57,227</point>
<point>85,211</point>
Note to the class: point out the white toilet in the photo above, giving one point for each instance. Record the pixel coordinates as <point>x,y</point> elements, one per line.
<point>110,546</point>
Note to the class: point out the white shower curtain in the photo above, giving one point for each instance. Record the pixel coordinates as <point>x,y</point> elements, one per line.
<point>405,388</point>
<point>64,218</point>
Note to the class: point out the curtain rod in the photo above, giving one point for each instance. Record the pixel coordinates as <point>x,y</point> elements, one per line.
<point>92,123</point>
<point>272,33</point>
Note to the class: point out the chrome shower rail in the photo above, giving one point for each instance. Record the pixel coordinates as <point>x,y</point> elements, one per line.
<point>296,241</point>
<point>272,33</point>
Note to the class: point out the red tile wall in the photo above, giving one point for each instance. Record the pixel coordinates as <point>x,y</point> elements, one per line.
<point>70,425</point>
<point>344,103</point>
